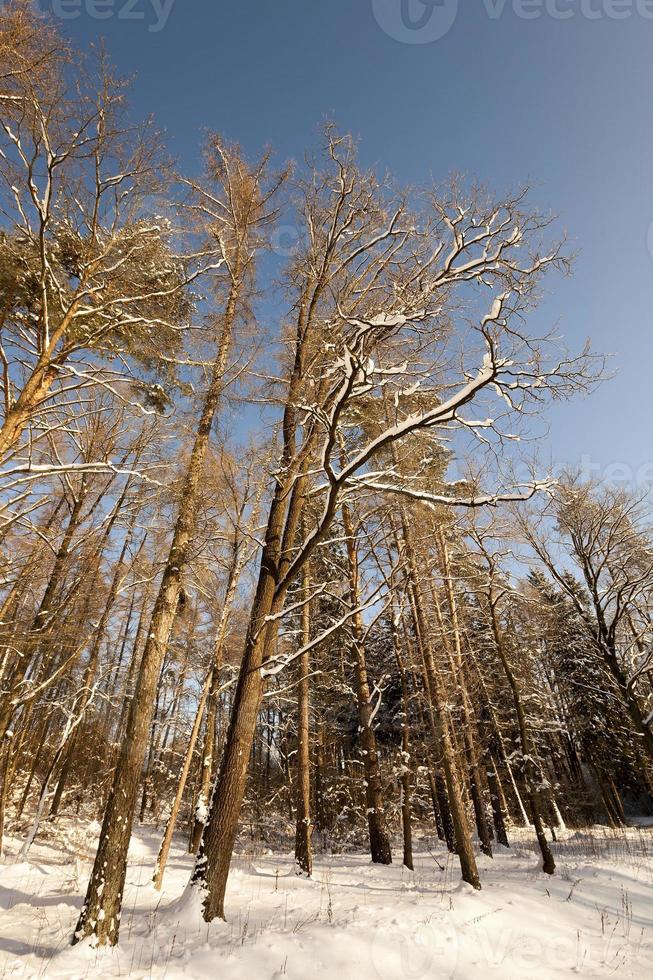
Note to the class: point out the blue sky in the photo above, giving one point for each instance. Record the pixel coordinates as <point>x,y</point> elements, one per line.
<point>564,102</point>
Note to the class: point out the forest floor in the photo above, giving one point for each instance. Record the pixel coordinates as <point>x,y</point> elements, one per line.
<point>352,921</point>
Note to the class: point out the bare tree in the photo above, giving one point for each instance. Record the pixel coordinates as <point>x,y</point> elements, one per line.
<point>237,207</point>
<point>607,533</point>
<point>368,285</point>
<point>86,267</point>
<point>495,590</point>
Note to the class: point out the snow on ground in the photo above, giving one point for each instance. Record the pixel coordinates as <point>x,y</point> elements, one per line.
<point>353,921</point>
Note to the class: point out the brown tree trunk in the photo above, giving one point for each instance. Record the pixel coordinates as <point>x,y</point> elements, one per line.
<point>439,801</point>
<point>437,816</point>
<point>303,850</point>
<point>405,777</point>
<point>64,772</point>
<point>378,833</point>
<point>216,847</point>
<point>236,566</point>
<point>456,664</point>
<point>464,847</point>
<point>406,792</point>
<point>214,854</point>
<point>100,914</point>
<point>37,387</point>
<point>322,821</point>
<point>151,749</point>
<point>5,750</point>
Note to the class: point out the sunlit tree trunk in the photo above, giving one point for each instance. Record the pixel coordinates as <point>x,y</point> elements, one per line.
<point>464,847</point>
<point>100,914</point>
<point>458,675</point>
<point>236,565</point>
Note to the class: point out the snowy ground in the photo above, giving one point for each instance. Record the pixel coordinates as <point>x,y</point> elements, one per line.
<point>353,921</point>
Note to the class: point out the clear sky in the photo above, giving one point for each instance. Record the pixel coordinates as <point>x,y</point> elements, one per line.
<point>555,92</point>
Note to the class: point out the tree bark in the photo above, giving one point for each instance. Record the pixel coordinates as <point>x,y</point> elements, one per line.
<point>100,914</point>
<point>405,777</point>
<point>464,847</point>
<point>209,748</point>
<point>378,834</point>
<point>456,662</point>
<point>303,850</point>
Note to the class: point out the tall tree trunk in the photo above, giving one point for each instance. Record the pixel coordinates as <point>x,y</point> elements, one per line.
<point>322,821</point>
<point>437,816</point>
<point>378,833</point>
<point>238,559</point>
<point>457,672</point>
<point>303,850</point>
<point>207,765</point>
<point>64,772</point>
<point>100,914</point>
<point>216,847</point>
<point>438,789</point>
<point>405,777</point>
<point>464,847</point>
<point>151,750</point>
<point>214,854</point>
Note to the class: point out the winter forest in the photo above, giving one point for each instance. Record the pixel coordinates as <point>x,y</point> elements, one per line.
<point>310,660</point>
